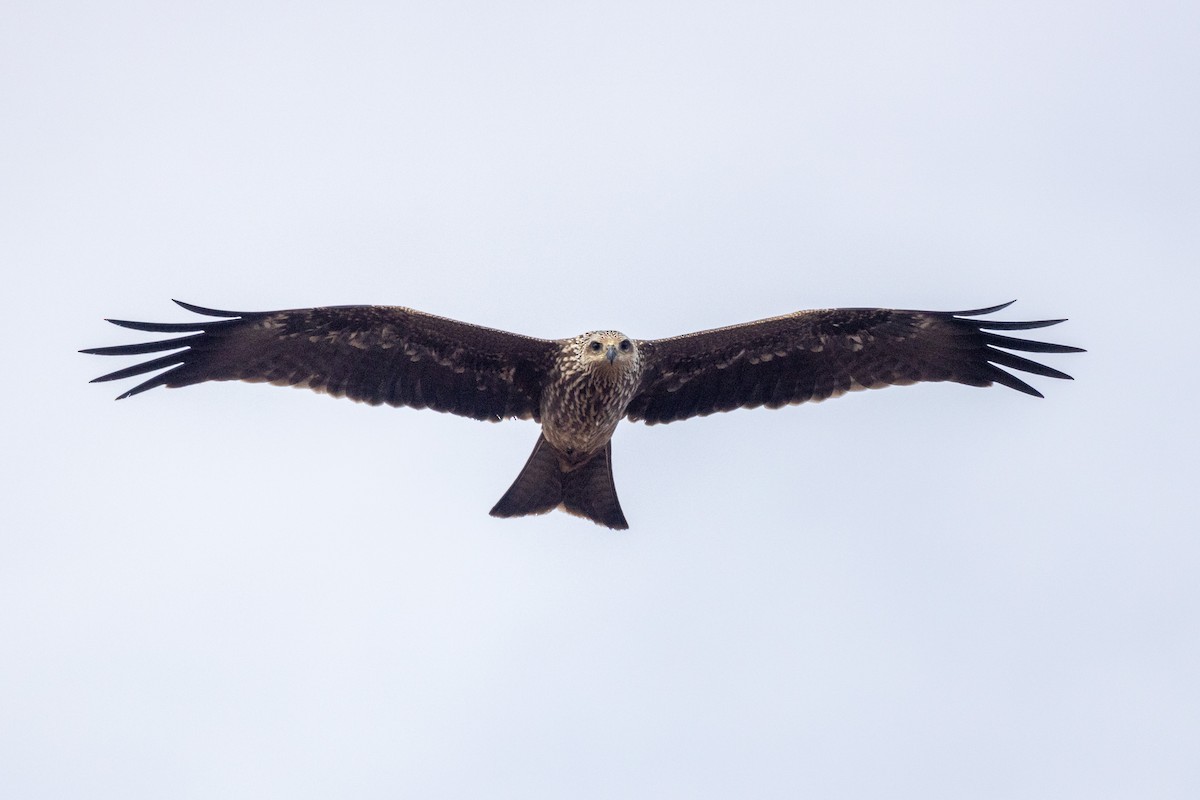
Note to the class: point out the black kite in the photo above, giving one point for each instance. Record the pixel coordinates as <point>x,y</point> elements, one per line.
<point>580,388</point>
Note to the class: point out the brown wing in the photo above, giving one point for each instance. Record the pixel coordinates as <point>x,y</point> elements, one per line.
<point>814,355</point>
<point>375,354</point>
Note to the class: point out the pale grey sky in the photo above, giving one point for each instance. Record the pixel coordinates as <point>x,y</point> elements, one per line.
<point>930,592</point>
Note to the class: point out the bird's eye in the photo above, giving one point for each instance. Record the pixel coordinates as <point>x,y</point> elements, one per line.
<point>625,345</point>
<point>595,346</point>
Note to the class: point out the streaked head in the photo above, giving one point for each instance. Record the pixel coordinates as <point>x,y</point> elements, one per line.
<point>606,350</point>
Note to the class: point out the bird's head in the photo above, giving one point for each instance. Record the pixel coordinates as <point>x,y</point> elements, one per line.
<point>607,351</point>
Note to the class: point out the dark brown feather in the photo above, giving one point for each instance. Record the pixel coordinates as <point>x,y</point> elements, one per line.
<point>374,354</point>
<point>815,355</point>
<point>589,492</point>
<point>538,488</point>
<point>548,481</point>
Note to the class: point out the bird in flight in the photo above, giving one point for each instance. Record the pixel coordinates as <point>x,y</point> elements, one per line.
<point>580,388</point>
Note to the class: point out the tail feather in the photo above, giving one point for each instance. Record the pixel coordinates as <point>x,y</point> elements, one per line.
<point>539,487</point>
<point>589,491</point>
<point>547,483</point>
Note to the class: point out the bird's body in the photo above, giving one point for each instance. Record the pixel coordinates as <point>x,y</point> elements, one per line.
<point>580,388</point>
<point>594,379</point>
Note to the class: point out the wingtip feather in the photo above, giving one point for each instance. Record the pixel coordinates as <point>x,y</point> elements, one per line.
<point>208,312</point>
<point>976,312</point>
<point>1013,382</point>
<point>158,327</point>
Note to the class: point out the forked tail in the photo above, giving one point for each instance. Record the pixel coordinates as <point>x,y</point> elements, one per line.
<point>546,483</point>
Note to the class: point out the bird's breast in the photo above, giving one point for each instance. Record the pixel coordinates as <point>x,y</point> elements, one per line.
<point>579,416</point>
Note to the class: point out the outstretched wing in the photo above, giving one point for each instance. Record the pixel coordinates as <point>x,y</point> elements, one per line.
<point>815,355</point>
<point>374,354</point>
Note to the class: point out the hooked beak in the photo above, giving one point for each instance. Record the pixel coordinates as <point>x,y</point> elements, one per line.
<point>611,353</point>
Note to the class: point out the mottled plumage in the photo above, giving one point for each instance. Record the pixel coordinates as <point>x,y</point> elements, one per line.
<point>580,388</point>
